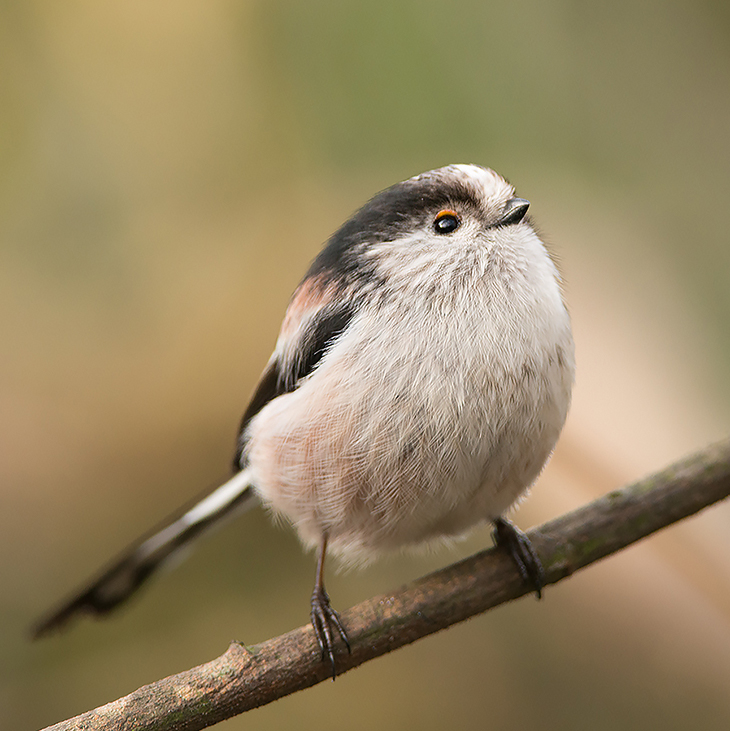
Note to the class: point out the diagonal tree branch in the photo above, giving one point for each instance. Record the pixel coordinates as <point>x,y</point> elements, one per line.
<point>248,677</point>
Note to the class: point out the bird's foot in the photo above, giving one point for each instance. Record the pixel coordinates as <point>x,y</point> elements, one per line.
<point>324,621</point>
<point>508,536</point>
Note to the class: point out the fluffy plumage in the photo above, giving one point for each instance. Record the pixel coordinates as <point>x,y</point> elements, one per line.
<point>419,383</point>
<point>441,392</point>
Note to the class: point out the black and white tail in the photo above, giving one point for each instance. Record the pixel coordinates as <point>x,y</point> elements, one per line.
<point>129,572</point>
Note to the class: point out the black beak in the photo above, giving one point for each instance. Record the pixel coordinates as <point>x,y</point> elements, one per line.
<point>514,211</point>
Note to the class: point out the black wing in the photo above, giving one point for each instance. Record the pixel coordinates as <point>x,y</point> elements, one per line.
<point>283,375</point>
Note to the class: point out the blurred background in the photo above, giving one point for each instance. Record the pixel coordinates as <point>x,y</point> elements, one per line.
<point>167,172</point>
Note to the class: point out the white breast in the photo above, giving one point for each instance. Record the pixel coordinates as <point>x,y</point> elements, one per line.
<point>434,411</point>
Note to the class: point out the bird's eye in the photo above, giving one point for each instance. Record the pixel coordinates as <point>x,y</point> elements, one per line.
<point>446,222</point>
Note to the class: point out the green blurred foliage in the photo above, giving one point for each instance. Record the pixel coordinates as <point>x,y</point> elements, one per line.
<point>167,170</point>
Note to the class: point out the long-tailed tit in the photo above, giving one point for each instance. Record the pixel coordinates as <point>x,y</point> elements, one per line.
<point>420,381</point>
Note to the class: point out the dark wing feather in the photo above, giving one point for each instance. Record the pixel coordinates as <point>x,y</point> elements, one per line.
<point>322,330</point>
<point>267,389</point>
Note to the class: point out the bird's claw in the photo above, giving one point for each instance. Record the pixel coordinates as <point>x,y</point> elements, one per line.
<point>324,618</point>
<point>508,536</point>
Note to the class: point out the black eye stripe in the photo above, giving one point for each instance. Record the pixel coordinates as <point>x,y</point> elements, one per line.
<point>446,222</point>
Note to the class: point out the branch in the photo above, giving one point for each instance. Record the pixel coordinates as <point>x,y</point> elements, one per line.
<point>248,677</point>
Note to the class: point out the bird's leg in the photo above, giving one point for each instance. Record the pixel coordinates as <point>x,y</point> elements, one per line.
<point>508,536</point>
<point>324,618</point>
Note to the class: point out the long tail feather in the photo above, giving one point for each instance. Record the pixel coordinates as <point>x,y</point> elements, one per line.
<point>123,577</point>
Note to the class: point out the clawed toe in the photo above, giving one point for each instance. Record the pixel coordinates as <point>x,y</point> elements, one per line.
<point>324,619</point>
<point>510,537</point>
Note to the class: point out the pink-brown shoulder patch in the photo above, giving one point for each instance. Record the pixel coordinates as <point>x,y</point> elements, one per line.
<point>311,295</point>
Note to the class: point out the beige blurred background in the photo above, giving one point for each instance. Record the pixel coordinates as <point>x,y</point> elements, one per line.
<point>168,170</point>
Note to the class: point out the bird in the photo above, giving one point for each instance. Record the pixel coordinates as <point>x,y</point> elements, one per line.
<point>419,383</point>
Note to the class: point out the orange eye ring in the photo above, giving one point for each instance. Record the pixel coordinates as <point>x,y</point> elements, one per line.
<point>446,221</point>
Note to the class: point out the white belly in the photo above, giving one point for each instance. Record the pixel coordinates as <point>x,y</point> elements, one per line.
<point>417,426</point>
